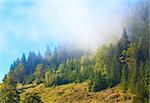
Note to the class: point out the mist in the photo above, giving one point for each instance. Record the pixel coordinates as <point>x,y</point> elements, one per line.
<point>84,24</point>
<point>27,25</point>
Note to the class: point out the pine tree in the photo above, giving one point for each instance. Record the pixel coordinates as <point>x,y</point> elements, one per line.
<point>133,71</point>
<point>23,59</point>
<point>8,91</point>
<point>124,78</point>
<point>19,73</point>
<point>39,73</point>
<point>48,54</point>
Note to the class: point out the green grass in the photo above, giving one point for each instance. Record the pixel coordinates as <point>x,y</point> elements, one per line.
<point>78,93</point>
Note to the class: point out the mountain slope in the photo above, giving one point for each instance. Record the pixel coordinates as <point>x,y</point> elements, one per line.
<point>77,93</point>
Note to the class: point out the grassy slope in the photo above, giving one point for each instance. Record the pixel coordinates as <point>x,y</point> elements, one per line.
<point>77,93</point>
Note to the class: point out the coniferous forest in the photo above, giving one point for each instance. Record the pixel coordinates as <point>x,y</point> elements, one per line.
<point>124,64</point>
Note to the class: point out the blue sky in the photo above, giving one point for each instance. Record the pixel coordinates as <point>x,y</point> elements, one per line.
<point>31,25</point>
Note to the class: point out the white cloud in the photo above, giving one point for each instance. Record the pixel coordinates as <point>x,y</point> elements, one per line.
<point>82,23</point>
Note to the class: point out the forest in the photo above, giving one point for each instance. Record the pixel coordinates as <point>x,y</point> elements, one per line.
<point>124,64</point>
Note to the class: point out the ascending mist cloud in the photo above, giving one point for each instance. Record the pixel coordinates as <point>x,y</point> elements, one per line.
<point>87,25</point>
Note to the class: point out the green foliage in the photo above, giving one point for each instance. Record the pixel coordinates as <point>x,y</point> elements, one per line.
<point>8,93</point>
<point>28,79</point>
<point>126,62</point>
<point>142,84</point>
<point>19,73</point>
<point>124,78</point>
<point>100,65</point>
<point>97,83</point>
<point>39,73</point>
<point>49,78</point>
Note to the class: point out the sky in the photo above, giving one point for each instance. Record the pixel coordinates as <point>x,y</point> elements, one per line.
<point>31,25</point>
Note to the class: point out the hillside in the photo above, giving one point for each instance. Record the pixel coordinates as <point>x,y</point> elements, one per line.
<point>77,93</point>
<point>115,72</point>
